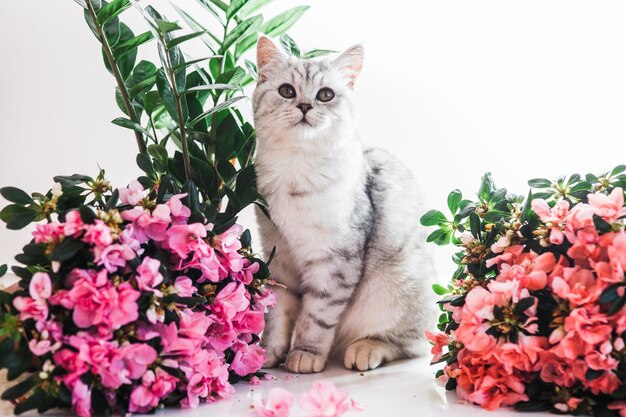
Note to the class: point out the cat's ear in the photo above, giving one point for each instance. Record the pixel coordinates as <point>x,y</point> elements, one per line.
<point>350,63</point>
<point>267,53</point>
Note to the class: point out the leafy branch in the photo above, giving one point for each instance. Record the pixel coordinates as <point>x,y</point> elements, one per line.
<point>98,24</point>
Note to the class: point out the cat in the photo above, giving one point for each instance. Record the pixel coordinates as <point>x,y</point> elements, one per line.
<point>344,222</point>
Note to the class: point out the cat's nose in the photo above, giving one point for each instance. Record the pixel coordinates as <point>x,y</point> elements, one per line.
<point>304,107</point>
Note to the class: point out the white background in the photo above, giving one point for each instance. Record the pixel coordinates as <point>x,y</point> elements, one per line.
<point>455,88</point>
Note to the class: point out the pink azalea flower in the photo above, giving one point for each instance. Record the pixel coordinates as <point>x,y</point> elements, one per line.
<point>48,233</point>
<point>324,400</point>
<point>194,325</point>
<point>40,287</point>
<point>529,269</point>
<point>554,217</point>
<point>249,321</point>
<point>153,388</point>
<point>578,285</point>
<point>232,299</point>
<point>610,207</point>
<point>98,234</point>
<point>148,275</point>
<point>137,357</point>
<point>186,238</point>
<point>36,306</point>
<point>618,406</point>
<point>439,340</point>
<point>248,359</point>
<point>502,243</point>
<point>184,287</point>
<point>125,309</point>
<point>179,212</point>
<point>133,194</point>
<point>264,299</point>
<point>209,264</point>
<point>73,224</point>
<point>81,399</point>
<point>591,327</point>
<point>115,256</point>
<point>277,404</point>
<point>246,275</point>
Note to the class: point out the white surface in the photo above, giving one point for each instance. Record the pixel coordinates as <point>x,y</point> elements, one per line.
<point>455,88</point>
<point>399,389</point>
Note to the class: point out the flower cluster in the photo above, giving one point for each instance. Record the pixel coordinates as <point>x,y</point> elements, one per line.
<point>538,320</point>
<point>135,306</point>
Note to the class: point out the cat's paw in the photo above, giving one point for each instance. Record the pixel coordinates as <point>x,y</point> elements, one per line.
<point>365,354</point>
<point>302,362</point>
<point>275,356</point>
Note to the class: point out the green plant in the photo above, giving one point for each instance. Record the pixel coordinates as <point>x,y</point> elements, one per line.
<point>181,109</point>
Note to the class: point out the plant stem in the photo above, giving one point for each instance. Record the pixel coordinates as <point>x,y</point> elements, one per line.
<point>179,114</point>
<point>213,134</point>
<point>118,77</point>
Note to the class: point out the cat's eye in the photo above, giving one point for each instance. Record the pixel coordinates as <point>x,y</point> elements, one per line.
<point>287,91</point>
<point>325,95</point>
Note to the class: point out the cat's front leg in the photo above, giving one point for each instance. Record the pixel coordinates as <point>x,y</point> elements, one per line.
<point>327,289</point>
<point>279,323</point>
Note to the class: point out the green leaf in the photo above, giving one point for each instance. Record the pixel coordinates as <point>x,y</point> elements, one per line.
<point>245,44</point>
<point>252,6</point>
<point>240,31</point>
<point>474,224</point>
<point>219,107</point>
<point>15,195</point>
<point>67,249</point>
<point>618,170</point>
<point>139,88</point>
<point>317,53</point>
<point>167,95</point>
<point>211,87</point>
<point>602,225</point>
<point>111,10</point>
<point>143,71</point>
<point>439,237</point>
<point>193,62</point>
<point>177,41</point>
<point>131,44</point>
<point>540,183</point>
<point>290,45</point>
<point>283,22</point>
<point>3,270</point>
<point>17,216</point>
<point>158,152</point>
<point>198,27</point>
<point>164,27</point>
<point>145,164</point>
<point>132,125</point>
<point>440,290</point>
<point>126,62</point>
<point>234,7</point>
<point>454,198</point>
<point>486,187</point>
<point>20,389</point>
<point>432,218</point>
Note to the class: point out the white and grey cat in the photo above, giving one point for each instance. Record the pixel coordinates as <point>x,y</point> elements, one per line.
<point>344,221</point>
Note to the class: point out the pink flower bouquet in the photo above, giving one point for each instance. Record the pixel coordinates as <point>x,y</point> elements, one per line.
<point>535,314</point>
<point>135,301</point>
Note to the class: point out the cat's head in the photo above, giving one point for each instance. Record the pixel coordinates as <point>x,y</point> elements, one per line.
<point>305,100</point>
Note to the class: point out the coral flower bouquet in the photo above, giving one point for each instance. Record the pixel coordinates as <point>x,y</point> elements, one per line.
<point>535,315</point>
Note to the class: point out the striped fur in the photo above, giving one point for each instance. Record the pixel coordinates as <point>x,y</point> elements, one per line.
<point>344,221</point>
